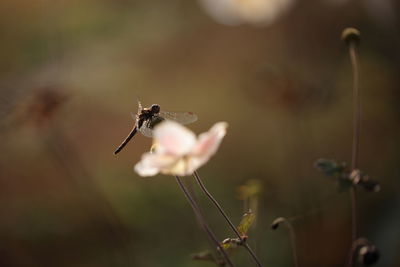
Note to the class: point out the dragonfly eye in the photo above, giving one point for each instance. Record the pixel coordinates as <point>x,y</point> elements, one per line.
<point>155,108</point>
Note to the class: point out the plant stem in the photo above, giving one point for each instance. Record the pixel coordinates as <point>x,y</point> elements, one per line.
<point>189,187</point>
<point>352,44</point>
<point>215,202</point>
<point>354,215</point>
<point>202,221</point>
<point>356,143</point>
<point>251,252</point>
<point>222,212</point>
<point>292,236</point>
<point>356,105</point>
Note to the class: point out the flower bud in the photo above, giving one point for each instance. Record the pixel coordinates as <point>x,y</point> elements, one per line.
<point>276,222</point>
<point>368,255</point>
<point>350,35</point>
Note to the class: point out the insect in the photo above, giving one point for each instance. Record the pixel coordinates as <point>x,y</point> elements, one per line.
<point>147,118</point>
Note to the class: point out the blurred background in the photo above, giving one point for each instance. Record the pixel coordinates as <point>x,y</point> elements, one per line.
<point>71,73</point>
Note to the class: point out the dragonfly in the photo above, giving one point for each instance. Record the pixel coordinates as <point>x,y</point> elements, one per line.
<point>147,118</point>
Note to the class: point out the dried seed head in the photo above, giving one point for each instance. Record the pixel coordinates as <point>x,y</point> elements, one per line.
<point>368,255</point>
<point>350,35</point>
<point>276,222</point>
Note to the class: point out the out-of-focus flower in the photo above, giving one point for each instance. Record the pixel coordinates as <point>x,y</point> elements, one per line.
<point>235,12</point>
<point>178,151</point>
<point>40,107</point>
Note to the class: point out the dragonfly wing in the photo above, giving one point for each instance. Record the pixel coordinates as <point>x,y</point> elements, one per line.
<point>139,107</point>
<point>148,125</point>
<point>146,131</point>
<point>136,116</point>
<point>182,118</point>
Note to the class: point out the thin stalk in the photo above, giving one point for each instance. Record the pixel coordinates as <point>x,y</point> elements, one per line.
<point>356,105</point>
<point>354,216</point>
<point>189,186</point>
<point>293,243</point>
<point>356,134</point>
<point>202,221</point>
<point>222,212</point>
<point>215,202</point>
<point>351,37</point>
<point>292,236</point>
<point>356,144</point>
<point>251,252</point>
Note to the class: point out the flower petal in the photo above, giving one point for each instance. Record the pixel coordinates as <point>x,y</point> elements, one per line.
<point>208,142</point>
<point>179,167</point>
<point>223,11</point>
<point>177,151</point>
<point>173,139</point>
<point>151,164</point>
<point>234,12</point>
<point>205,147</point>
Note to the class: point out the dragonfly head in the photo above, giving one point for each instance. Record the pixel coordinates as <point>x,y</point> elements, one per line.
<point>155,109</point>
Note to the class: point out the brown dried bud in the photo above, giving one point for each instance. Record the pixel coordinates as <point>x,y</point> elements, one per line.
<point>350,35</point>
<point>368,255</point>
<point>276,222</point>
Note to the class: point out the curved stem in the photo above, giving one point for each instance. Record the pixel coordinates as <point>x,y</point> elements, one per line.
<point>292,236</point>
<point>215,202</point>
<point>202,221</point>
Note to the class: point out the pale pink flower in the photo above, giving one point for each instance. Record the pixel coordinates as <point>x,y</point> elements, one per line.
<point>178,151</point>
<point>235,12</point>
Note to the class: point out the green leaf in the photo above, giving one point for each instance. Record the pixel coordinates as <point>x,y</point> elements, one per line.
<point>329,167</point>
<point>230,243</point>
<point>246,222</point>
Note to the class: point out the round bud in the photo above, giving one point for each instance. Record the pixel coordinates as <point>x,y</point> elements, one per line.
<point>368,255</point>
<point>276,222</point>
<point>350,35</point>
